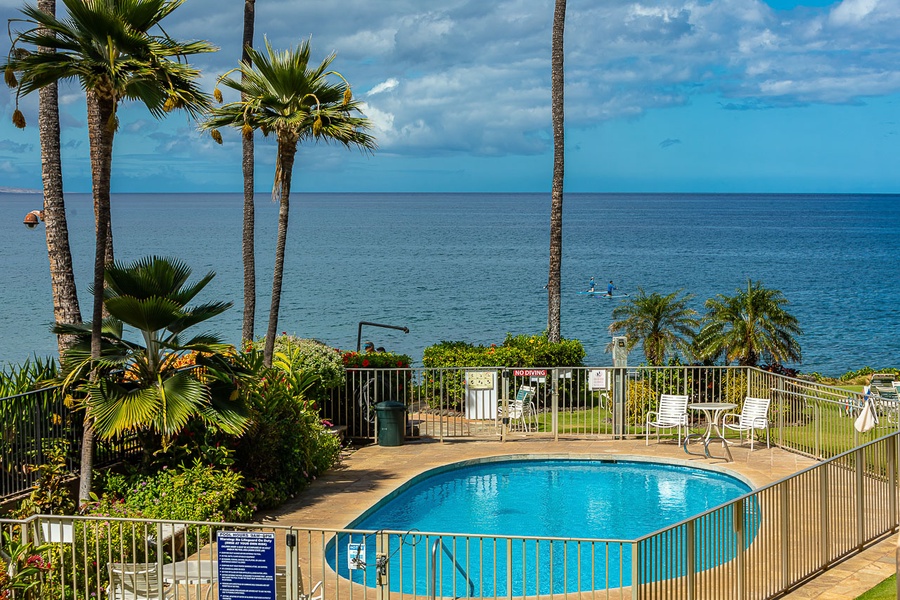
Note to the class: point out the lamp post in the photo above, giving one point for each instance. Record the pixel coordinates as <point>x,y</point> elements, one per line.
<point>33,218</point>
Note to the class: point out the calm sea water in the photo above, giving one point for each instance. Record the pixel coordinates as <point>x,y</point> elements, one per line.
<point>472,266</point>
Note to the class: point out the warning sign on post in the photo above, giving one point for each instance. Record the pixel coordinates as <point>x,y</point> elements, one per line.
<point>246,565</point>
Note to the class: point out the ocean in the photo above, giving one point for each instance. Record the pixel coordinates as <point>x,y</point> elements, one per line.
<point>472,267</point>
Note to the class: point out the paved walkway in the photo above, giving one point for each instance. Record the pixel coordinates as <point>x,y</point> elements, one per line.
<point>372,472</point>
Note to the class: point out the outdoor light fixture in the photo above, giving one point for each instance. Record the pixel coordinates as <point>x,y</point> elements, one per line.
<point>33,218</point>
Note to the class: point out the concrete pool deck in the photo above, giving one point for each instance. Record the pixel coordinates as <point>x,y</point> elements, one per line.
<point>372,472</point>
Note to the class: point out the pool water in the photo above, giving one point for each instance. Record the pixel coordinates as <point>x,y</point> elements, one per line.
<point>584,499</point>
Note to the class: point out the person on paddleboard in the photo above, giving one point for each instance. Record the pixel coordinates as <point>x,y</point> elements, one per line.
<point>591,285</point>
<point>610,288</point>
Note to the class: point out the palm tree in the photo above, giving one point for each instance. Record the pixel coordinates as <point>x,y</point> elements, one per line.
<point>106,46</point>
<point>556,193</point>
<point>156,386</point>
<point>749,326</point>
<point>62,276</point>
<point>247,243</point>
<point>282,93</point>
<point>663,324</point>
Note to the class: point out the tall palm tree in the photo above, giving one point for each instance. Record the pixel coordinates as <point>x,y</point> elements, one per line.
<point>557,105</point>
<point>62,276</point>
<point>282,93</point>
<point>152,389</point>
<point>749,326</point>
<point>663,324</point>
<point>247,239</point>
<point>107,46</point>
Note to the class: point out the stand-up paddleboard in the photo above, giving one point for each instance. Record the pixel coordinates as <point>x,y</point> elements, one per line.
<point>611,297</point>
<point>594,293</point>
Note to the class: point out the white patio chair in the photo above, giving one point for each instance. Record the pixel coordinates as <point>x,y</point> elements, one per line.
<point>521,408</point>
<point>136,581</point>
<point>753,418</point>
<point>672,414</point>
<point>887,401</point>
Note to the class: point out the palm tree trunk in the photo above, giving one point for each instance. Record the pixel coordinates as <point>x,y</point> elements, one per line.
<point>286,152</point>
<point>101,133</point>
<point>62,275</point>
<point>249,253</point>
<point>556,192</point>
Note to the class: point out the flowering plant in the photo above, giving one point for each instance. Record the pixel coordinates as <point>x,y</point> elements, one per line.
<point>375,360</point>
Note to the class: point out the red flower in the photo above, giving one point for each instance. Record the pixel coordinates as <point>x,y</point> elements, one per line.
<point>400,363</point>
<point>365,362</point>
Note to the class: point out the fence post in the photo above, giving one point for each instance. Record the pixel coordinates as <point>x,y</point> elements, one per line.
<point>635,570</point>
<point>737,518</point>
<point>619,402</point>
<point>554,373</point>
<point>785,510</point>
<point>825,494</point>
<point>292,570</point>
<point>892,479</point>
<point>691,559</point>
<point>860,457</point>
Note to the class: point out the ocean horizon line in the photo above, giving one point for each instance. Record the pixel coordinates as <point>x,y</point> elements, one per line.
<point>27,191</point>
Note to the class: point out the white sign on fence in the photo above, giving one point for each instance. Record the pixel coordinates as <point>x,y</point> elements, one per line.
<point>597,380</point>
<point>356,556</point>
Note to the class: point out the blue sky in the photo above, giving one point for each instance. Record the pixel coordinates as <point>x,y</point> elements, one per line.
<point>673,96</point>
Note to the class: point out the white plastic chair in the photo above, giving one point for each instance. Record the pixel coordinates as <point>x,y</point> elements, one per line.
<point>753,418</point>
<point>136,581</point>
<point>672,414</point>
<point>521,408</point>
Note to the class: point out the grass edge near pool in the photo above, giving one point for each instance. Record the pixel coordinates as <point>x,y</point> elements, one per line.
<point>883,591</point>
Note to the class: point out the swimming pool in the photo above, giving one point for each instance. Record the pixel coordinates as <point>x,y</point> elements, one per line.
<point>509,509</point>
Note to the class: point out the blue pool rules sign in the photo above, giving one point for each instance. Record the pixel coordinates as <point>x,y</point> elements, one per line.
<point>246,565</point>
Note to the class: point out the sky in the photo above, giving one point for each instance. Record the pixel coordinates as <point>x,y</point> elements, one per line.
<point>672,96</point>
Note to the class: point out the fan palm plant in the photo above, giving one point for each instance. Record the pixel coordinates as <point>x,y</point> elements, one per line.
<point>662,323</point>
<point>282,92</point>
<point>109,48</point>
<point>749,326</point>
<point>155,386</point>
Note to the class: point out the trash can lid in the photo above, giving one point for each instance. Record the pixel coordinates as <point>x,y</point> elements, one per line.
<point>390,405</point>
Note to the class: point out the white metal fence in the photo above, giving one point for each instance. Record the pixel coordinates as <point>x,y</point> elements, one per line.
<point>757,546</point>
<point>806,417</point>
<point>754,547</point>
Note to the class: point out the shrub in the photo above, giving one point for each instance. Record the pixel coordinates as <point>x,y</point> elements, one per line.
<point>197,493</point>
<point>515,351</point>
<point>310,358</point>
<point>286,445</point>
<point>641,399</point>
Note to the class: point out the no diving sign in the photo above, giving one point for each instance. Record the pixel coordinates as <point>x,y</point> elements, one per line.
<point>529,372</point>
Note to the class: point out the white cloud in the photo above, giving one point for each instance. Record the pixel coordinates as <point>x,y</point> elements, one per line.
<point>474,77</point>
<point>384,86</point>
<point>851,12</point>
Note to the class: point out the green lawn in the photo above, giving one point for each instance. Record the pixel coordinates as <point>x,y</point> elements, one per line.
<point>884,590</point>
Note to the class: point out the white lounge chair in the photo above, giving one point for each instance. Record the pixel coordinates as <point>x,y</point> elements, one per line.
<point>753,418</point>
<point>672,414</point>
<point>136,581</point>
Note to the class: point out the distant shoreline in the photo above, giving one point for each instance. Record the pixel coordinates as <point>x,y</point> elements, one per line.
<point>10,190</point>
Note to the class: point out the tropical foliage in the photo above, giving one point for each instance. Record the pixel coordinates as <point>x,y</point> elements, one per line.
<point>109,48</point>
<point>515,351</point>
<point>148,387</point>
<point>664,325</point>
<point>750,326</point>
<point>282,92</point>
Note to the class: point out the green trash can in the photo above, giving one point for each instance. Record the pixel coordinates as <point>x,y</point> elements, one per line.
<point>391,423</point>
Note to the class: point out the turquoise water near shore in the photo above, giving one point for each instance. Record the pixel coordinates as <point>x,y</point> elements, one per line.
<point>472,266</point>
